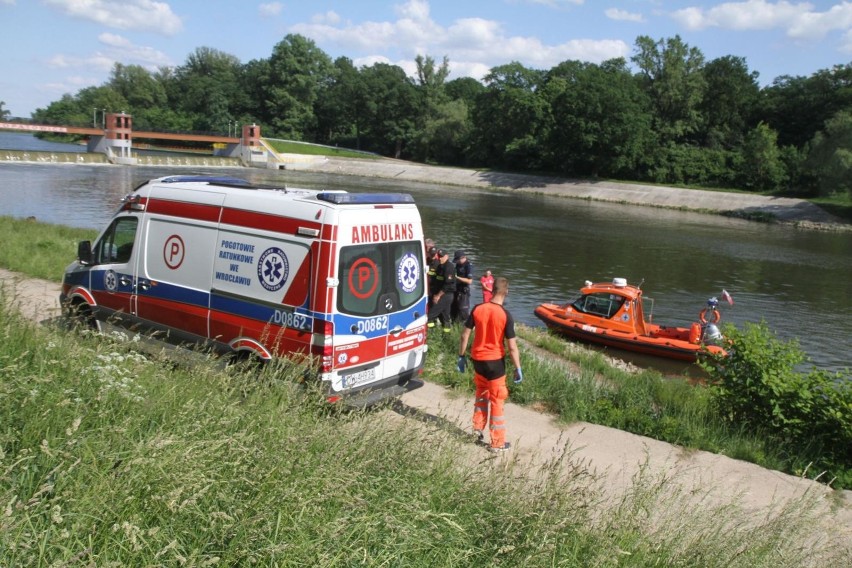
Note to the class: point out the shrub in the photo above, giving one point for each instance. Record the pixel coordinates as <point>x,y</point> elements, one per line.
<point>758,385</point>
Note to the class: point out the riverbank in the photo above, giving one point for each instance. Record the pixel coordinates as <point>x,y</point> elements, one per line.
<point>617,464</point>
<point>797,212</point>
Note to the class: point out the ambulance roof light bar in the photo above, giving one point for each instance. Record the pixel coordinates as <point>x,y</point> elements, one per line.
<point>220,180</point>
<point>364,198</point>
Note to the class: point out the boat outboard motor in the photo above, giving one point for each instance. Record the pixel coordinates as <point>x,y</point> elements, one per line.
<point>712,335</point>
<point>709,317</point>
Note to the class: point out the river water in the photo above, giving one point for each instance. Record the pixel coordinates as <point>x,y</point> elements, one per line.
<point>798,282</point>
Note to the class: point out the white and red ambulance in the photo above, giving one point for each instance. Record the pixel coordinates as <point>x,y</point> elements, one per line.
<point>266,272</point>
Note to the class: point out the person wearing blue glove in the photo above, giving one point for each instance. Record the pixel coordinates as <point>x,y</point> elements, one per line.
<point>493,329</point>
<point>519,375</point>
<point>462,364</point>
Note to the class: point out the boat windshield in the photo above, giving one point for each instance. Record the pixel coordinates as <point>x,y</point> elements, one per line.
<point>601,304</point>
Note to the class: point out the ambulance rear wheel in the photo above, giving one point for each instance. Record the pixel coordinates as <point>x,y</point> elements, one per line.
<point>245,362</point>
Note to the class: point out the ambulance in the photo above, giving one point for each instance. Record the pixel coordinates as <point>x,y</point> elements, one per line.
<point>262,272</point>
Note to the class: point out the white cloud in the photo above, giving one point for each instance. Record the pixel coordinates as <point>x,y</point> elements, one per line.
<point>623,15</point>
<point>329,18</point>
<point>118,49</point>
<point>799,21</point>
<point>139,15</point>
<point>474,45</point>
<point>555,3</point>
<point>7,2</point>
<point>270,9</point>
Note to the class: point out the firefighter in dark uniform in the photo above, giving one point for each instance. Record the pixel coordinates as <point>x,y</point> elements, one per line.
<point>432,262</point>
<point>464,278</point>
<point>442,295</point>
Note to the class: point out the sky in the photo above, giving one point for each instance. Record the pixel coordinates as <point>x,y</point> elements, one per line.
<point>54,47</point>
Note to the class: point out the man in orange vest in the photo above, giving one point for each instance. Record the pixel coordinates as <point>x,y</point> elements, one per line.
<point>493,327</point>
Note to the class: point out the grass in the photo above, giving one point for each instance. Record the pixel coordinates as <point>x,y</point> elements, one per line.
<point>291,147</point>
<point>112,458</point>
<point>38,249</point>
<point>577,384</point>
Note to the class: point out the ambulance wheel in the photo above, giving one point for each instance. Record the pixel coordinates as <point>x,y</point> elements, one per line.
<point>245,362</point>
<point>80,317</point>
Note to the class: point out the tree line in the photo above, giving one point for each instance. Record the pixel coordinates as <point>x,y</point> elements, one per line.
<point>677,119</point>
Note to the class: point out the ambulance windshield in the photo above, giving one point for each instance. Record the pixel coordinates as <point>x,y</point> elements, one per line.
<point>380,278</point>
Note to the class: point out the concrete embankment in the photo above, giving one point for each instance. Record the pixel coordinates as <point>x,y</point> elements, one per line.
<point>799,212</point>
<point>790,210</point>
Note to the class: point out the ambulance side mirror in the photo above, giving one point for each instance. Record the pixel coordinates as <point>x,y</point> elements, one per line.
<point>84,252</point>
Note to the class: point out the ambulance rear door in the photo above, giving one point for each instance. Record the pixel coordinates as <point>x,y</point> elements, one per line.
<point>380,304</point>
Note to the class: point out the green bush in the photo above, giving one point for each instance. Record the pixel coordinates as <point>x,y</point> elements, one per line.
<point>758,385</point>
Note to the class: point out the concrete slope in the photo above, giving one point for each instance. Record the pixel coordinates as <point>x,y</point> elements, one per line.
<point>783,208</point>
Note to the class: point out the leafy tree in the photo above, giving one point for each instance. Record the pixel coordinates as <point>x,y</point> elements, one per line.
<point>729,101</point>
<point>671,74</point>
<point>67,110</point>
<point>388,107</point>
<point>209,88</point>
<point>797,107</point>
<point>296,72</point>
<point>338,120</point>
<point>432,111</point>
<point>762,167</point>
<point>137,86</point>
<point>465,89</point>
<point>830,155</point>
<point>601,120</point>
<point>4,113</point>
<point>509,118</point>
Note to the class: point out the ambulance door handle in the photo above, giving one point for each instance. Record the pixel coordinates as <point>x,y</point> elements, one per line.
<point>397,330</point>
<point>144,285</point>
<point>124,280</point>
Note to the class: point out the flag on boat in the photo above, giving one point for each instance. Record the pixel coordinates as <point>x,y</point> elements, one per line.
<point>727,297</point>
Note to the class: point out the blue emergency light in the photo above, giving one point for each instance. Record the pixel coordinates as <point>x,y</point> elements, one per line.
<point>365,198</point>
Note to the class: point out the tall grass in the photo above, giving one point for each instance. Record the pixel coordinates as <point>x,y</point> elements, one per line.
<point>38,249</point>
<point>112,458</point>
<point>577,384</point>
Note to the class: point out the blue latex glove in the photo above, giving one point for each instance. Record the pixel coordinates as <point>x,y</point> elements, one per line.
<point>519,375</point>
<point>461,365</point>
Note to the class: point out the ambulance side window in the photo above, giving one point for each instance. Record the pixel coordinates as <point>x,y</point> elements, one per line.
<point>116,244</point>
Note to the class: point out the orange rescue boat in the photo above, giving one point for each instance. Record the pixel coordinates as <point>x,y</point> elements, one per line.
<point>612,314</point>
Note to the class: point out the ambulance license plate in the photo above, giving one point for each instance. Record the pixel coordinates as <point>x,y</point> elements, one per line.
<point>358,378</point>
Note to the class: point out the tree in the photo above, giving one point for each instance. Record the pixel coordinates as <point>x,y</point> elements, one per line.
<point>509,117</point>
<point>388,107</point>
<point>830,155</point>
<point>4,113</point>
<point>797,107</point>
<point>296,72</point>
<point>137,86</point>
<point>209,87</point>
<point>601,120</point>
<point>338,120</point>
<point>432,109</point>
<point>762,168</point>
<point>729,102</point>
<point>670,72</point>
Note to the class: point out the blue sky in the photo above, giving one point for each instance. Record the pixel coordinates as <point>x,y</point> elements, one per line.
<point>53,47</point>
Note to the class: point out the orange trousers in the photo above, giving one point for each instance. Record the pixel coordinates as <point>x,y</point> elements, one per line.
<point>490,396</point>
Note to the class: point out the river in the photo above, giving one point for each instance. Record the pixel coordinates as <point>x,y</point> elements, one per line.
<point>798,282</point>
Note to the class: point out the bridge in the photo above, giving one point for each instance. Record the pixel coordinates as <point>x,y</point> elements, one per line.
<point>116,136</point>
